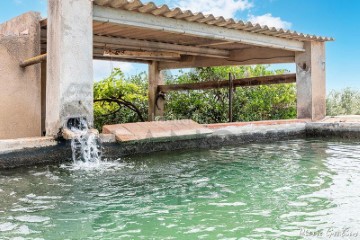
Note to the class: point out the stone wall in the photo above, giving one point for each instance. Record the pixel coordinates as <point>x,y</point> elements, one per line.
<point>20,89</point>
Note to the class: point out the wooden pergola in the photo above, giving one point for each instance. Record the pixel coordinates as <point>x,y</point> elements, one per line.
<point>76,32</point>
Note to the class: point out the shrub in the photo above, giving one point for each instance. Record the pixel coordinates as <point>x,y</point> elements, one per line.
<point>343,102</point>
<point>121,100</point>
<point>249,103</point>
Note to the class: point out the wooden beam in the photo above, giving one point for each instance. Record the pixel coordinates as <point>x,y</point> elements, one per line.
<point>33,60</point>
<point>243,55</point>
<point>245,82</point>
<point>246,56</point>
<point>214,44</point>
<point>159,46</point>
<point>126,47</point>
<point>156,102</point>
<point>104,58</point>
<point>142,54</point>
<point>98,53</point>
<point>148,21</point>
<point>43,22</point>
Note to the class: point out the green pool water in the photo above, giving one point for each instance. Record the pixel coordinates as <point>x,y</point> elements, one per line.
<point>281,190</point>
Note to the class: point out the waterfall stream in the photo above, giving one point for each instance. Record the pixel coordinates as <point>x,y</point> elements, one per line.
<point>85,145</point>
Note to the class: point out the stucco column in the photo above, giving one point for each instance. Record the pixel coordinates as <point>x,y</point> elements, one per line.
<point>69,89</point>
<point>156,103</point>
<point>311,81</point>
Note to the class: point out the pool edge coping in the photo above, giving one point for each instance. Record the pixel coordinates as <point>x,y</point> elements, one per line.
<point>33,151</point>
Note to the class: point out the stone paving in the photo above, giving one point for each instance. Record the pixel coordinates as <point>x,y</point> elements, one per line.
<point>169,129</point>
<point>158,129</point>
<point>342,119</point>
<point>256,123</point>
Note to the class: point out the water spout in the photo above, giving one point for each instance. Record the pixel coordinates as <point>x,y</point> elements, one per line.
<point>85,142</point>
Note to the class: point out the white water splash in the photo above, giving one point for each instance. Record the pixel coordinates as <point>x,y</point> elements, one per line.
<point>87,151</point>
<point>85,145</point>
<point>98,167</point>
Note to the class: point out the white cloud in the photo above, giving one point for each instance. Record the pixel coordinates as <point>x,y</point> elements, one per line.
<point>228,9</point>
<point>225,8</point>
<point>102,69</point>
<point>269,20</point>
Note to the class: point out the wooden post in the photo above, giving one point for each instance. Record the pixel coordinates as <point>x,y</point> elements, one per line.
<point>43,98</point>
<point>156,101</point>
<point>231,91</point>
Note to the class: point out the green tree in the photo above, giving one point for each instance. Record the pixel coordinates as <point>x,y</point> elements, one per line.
<point>250,103</point>
<point>121,100</point>
<point>343,102</point>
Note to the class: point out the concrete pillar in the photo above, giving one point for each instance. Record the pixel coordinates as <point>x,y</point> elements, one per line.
<point>156,103</point>
<point>69,88</point>
<point>311,81</point>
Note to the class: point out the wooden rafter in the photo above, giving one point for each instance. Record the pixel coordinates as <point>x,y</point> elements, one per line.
<point>142,54</point>
<point>119,42</point>
<point>246,56</point>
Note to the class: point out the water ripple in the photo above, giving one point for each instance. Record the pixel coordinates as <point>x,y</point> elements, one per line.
<point>254,191</point>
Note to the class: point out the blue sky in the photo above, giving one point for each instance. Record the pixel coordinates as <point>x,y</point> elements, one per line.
<point>338,19</point>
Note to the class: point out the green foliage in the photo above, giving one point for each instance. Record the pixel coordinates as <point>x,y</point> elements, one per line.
<point>120,100</point>
<point>344,102</point>
<point>250,103</point>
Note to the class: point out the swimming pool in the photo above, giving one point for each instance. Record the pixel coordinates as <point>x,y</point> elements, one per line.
<point>287,189</point>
